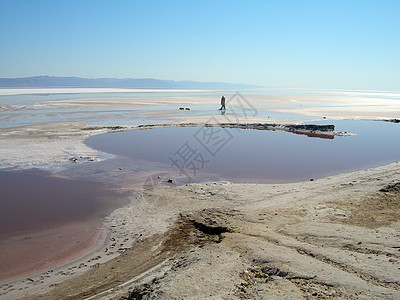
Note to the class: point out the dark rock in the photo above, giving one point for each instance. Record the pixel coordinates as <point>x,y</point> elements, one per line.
<point>273,271</point>
<point>210,221</point>
<point>138,293</point>
<point>312,127</point>
<point>115,127</point>
<point>209,228</point>
<point>391,187</point>
<point>144,291</point>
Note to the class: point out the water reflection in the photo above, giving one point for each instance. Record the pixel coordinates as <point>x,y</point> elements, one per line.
<point>266,156</point>
<point>33,200</point>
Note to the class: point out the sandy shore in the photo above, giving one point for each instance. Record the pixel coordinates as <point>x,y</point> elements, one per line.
<point>334,237</point>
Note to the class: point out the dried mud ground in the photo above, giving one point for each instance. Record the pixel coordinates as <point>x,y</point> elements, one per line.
<point>337,237</point>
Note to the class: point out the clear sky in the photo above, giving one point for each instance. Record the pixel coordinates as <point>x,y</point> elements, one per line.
<point>309,44</point>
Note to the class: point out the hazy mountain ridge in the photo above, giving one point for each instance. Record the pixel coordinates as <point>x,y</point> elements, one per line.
<point>139,83</point>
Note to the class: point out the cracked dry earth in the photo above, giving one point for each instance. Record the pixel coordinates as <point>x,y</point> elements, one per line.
<point>334,238</point>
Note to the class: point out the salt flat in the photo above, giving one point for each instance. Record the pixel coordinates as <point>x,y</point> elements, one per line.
<point>332,237</point>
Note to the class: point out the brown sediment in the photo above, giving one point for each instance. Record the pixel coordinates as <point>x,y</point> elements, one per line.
<point>374,211</point>
<point>189,229</point>
<point>146,254</point>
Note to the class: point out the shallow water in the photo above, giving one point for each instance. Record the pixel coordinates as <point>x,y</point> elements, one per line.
<point>33,200</point>
<point>36,114</point>
<point>245,155</point>
<point>46,220</point>
<point>22,110</point>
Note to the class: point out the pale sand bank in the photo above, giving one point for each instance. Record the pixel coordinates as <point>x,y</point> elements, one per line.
<point>336,236</point>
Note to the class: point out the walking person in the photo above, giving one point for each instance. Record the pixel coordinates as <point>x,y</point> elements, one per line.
<point>222,103</point>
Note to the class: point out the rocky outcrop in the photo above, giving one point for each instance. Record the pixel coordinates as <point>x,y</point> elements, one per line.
<point>311,127</point>
<point>310,130</point>
<point>391,188</point>
<point>393,120</point>
<point>210,221</point>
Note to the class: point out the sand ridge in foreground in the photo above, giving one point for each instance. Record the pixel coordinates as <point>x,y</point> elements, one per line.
<point>336,237</point>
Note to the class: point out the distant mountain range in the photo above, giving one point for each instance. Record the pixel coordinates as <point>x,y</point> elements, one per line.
<point>137,83</point>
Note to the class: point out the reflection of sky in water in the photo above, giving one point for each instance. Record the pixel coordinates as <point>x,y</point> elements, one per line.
<point>265,112</point>
<point>122,115</point>
<point>29,99</point>
<point>263,156</point>
<point>22,209</point>
<point>324,93</point>
<point>32,109</point>
<point>102,116</point>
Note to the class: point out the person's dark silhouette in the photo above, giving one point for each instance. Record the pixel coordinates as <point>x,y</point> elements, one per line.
<point>222,103</point>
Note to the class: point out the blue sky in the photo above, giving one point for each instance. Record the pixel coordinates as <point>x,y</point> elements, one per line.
<point>307,44</point>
